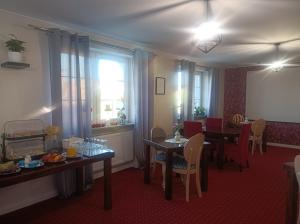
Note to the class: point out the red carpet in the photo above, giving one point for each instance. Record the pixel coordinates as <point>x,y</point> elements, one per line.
<point>257,195</point>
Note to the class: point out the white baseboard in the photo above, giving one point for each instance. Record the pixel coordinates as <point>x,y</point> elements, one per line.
<point>284,145</point>
<point>25,203</point>
<point>99,173</point>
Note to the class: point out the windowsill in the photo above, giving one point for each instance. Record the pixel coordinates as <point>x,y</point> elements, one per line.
<point>112,129</point>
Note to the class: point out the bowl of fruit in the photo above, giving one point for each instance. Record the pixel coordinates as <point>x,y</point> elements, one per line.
<point>9,168</point>
<point>53,157</point>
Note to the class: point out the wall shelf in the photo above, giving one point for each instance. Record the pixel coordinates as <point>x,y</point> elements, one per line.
<point>15,65</point>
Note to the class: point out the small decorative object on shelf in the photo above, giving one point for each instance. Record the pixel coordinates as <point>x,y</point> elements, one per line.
<point>15,48</point>
<point>122,116</point>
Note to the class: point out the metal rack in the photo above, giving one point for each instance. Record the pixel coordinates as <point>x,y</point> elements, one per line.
<point>23,137</point>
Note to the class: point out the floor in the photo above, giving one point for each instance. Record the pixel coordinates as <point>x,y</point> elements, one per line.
<point>256,195</point>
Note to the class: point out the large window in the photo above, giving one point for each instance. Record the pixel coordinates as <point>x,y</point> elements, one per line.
<point>110,74</point>
<point>201,90</point>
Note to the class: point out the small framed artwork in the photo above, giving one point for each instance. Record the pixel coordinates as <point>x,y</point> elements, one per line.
<point>160,86</point>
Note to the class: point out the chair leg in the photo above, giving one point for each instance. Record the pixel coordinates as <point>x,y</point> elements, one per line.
<point>187,187</point>
<point>253,146</point>
<point>153,168</point>
<point>241,168</point>
<point>198,185</point>
<point>163,169</point>
<point>260,147</point>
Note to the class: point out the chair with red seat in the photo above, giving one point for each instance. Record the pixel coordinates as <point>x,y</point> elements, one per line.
<point>191,128</point>
<point>239,152</point>
<point>213,123</point>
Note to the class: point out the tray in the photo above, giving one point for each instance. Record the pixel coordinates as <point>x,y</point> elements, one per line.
<point>32,165</point>
<point>18,170</point>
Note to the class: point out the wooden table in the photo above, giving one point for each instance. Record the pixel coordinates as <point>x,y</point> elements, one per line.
<point>102,155</point>
<point>169,149</point>
<point>292,194</point>
<point>217,136</point>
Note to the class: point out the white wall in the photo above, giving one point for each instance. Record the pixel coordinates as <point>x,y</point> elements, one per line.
<point>274,96</point>
<point>24,92</point>
<point>164,104</point>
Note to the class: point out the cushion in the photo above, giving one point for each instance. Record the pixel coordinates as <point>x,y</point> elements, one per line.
<point>161,156</point>
<point>180,163</point>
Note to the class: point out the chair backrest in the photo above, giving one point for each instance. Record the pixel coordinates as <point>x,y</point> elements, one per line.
<point>237,119</point>
<point>258,127</point>
<point>193,149</point>
<point>191,128</point>
<point>157,132</point>
<point>243,143</point>
<point>213,123</point>
<point>297,168</point>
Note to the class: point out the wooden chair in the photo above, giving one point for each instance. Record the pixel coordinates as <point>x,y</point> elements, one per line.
<point>257,129</point>
<point>239,152</point>
<point>297,172</point>
<point>213,124</point>
<point>157,156</point>
<point>189,163</point>
<point>191,128</point>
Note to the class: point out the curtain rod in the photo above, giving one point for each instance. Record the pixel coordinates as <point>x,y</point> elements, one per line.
<point>44,29</point>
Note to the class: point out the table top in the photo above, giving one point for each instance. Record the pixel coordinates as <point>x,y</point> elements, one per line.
<point>160,144</point>
<point>48,169</point>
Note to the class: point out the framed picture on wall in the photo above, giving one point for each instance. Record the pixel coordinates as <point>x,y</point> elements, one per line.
<point>160,86</point>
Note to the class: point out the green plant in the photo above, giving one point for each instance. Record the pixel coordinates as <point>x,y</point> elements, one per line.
<point>199,112</point>
<point>15,45</point>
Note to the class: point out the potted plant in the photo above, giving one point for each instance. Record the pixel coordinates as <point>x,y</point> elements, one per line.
<point>15,48</point>
<point>199,113</point>
<point>122,116</point>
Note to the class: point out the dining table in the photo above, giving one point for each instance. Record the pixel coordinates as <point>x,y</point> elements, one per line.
<point>219,136</point>
<point>76,164</point>
<point>292,194</point>
<point>170,148</point>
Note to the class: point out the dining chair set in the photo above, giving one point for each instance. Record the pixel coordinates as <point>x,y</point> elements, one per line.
<point>188,162</point>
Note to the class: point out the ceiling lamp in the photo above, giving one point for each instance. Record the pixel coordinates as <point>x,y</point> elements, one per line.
<point>277,65</point>
<point>208,35</point>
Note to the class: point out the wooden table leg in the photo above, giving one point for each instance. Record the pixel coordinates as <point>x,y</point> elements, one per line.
<point>147,165</point>
<point>292,198</point>
<point>220,154</point>
<point>168,176</point>
<point>204,169</point>
<point>79,180</point>
<point>107,184</point>
<point>264,142</point>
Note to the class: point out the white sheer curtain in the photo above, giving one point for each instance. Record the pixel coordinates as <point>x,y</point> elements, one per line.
<point>214,92</point>
<point>141,100</point>
<point>185,73</point>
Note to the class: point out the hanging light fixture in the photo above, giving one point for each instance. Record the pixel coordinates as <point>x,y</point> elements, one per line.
<point>278,64</point>
<point>208,35</point>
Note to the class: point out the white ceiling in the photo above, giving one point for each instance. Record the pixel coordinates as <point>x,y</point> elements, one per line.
<point>165,24</point>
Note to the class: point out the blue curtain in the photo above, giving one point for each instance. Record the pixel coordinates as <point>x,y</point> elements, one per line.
<point>214,92</point>
<point>70,94</point>
<point>142,100</point>
<point>187,69</point>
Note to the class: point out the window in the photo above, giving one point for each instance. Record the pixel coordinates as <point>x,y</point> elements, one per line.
<point>110,74</point>
<point>201,90</point>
